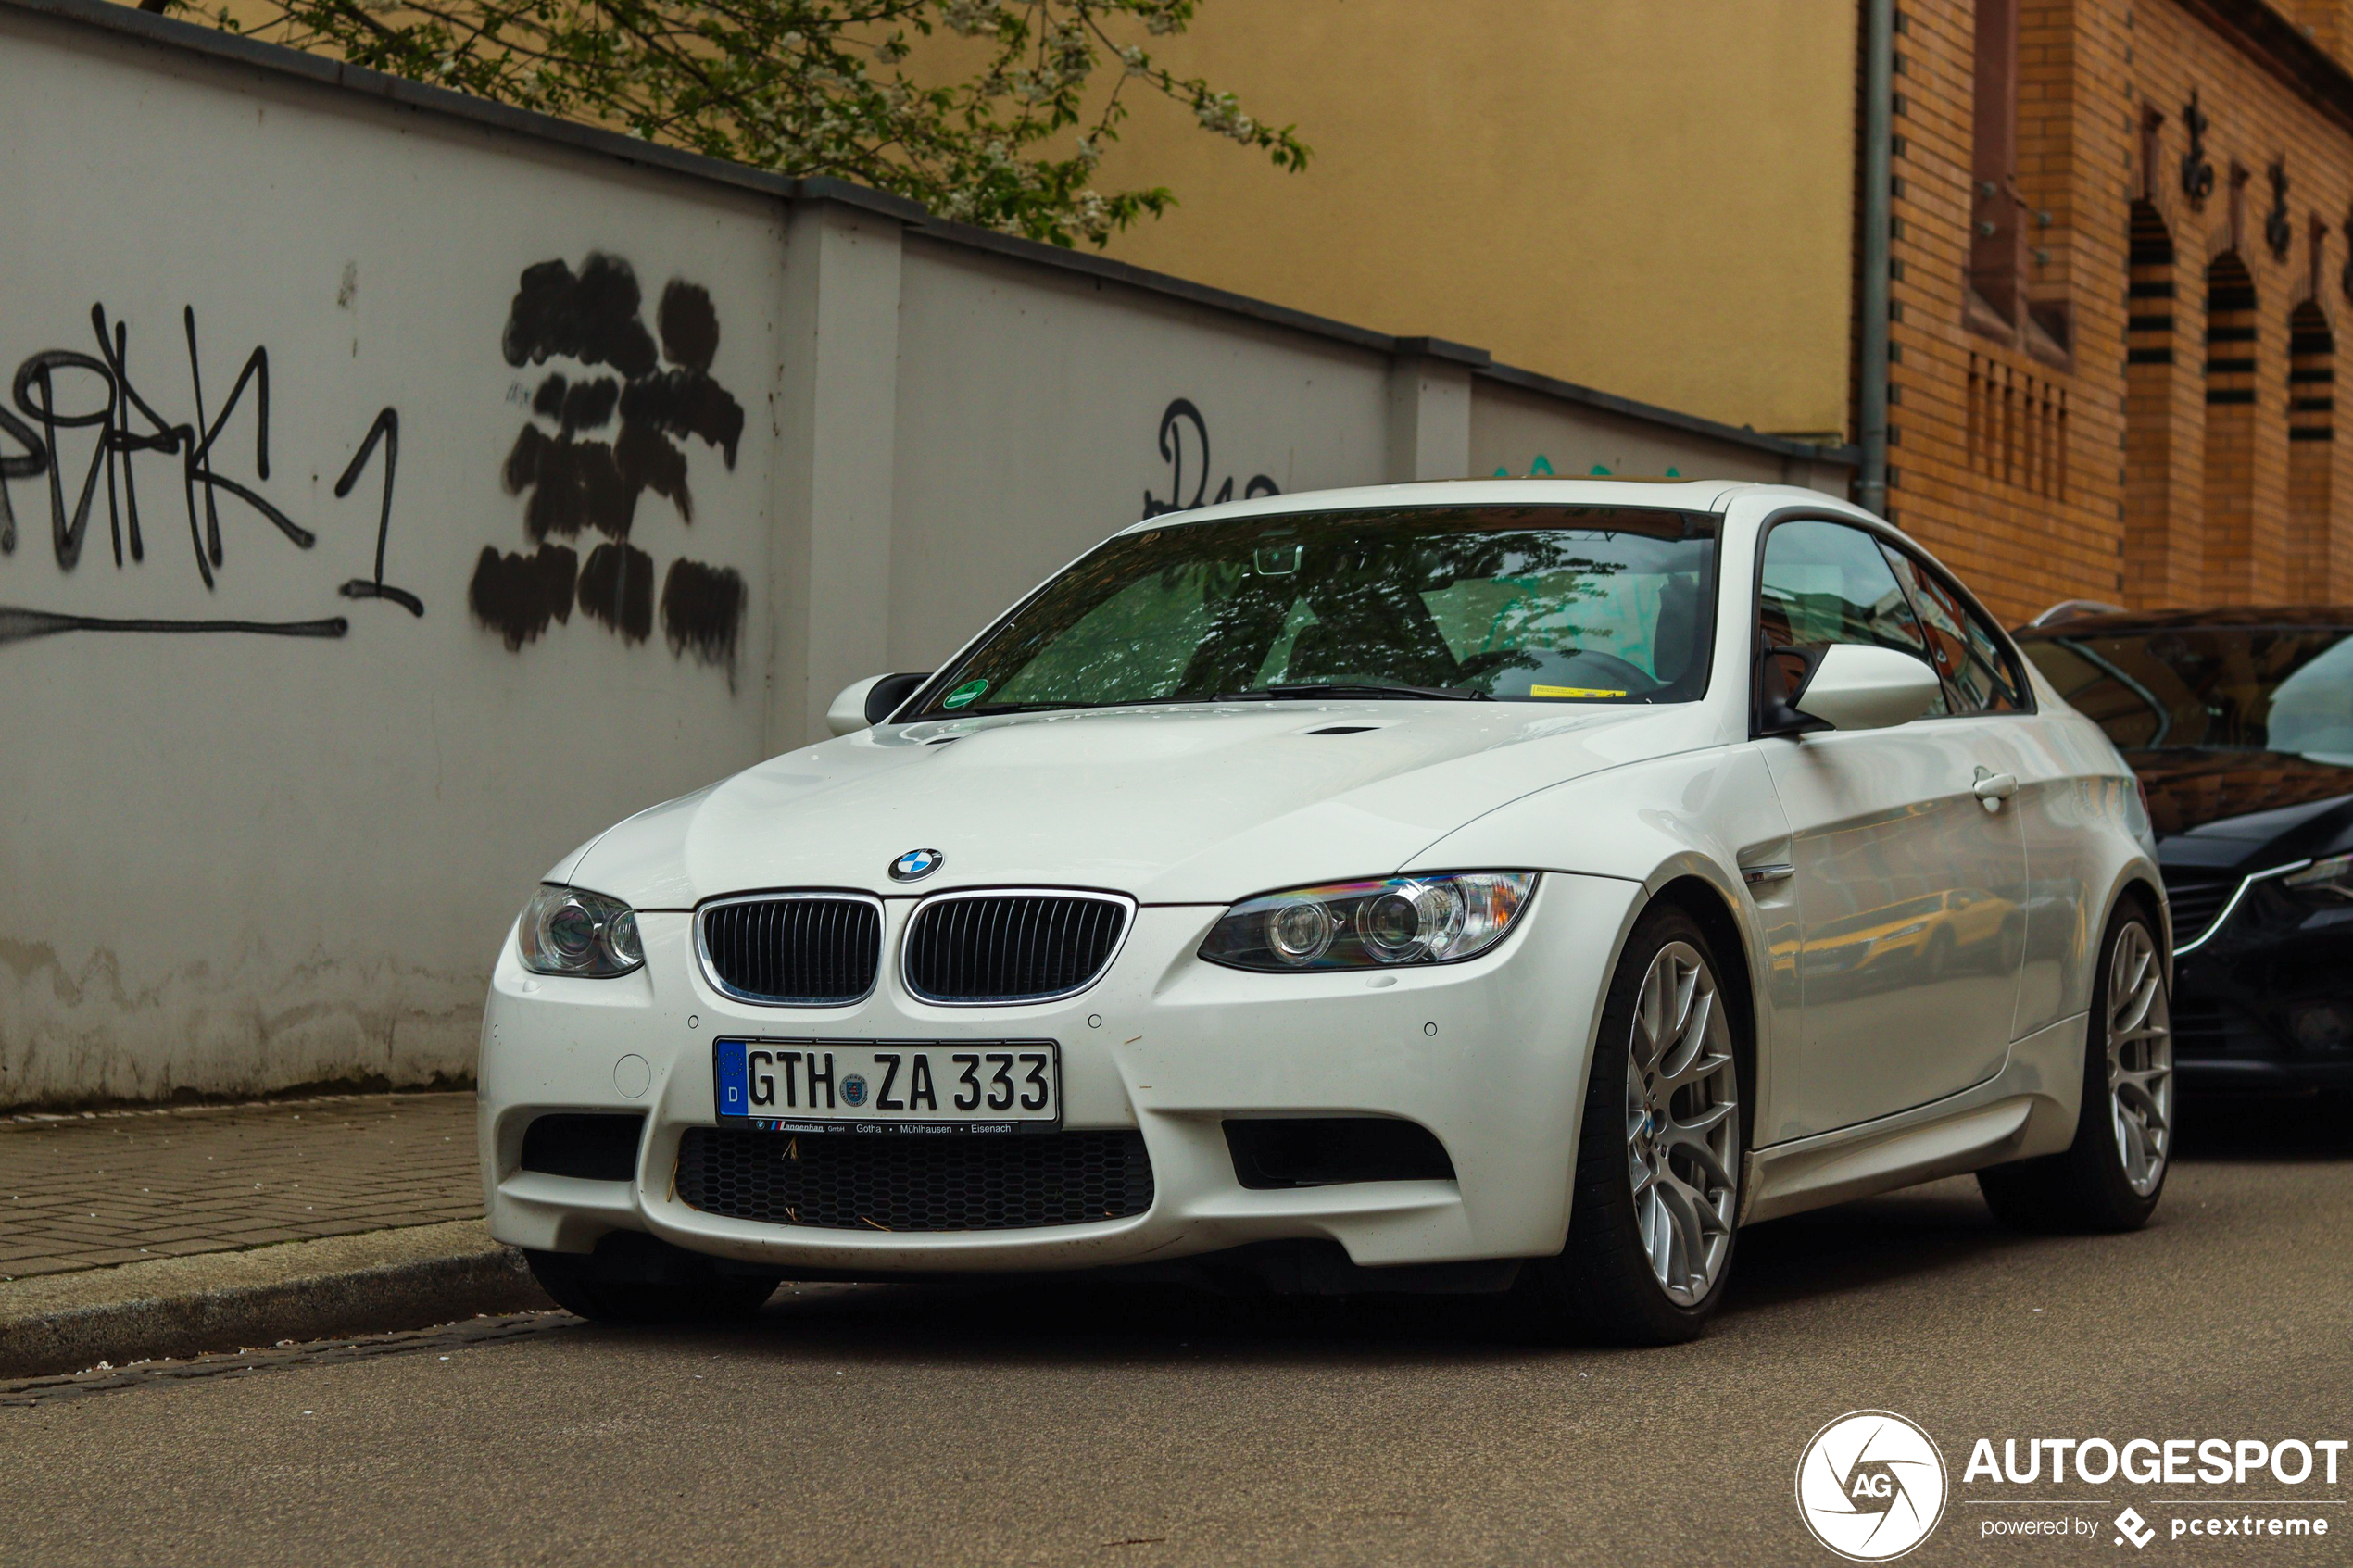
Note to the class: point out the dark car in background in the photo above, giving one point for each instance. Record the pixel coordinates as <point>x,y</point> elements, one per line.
<point>2240,725</point>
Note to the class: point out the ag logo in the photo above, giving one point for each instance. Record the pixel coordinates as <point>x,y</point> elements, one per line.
<point>1870,1485</point>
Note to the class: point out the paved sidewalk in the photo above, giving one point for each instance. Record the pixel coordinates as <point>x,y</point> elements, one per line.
<point>92,1191</point>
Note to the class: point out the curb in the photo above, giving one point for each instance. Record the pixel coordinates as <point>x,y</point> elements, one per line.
<point>372,1283</point>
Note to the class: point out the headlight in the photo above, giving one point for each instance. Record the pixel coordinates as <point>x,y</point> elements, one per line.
<point>568,931</point>
<point>1440,918</point>
<point>2332,878</point>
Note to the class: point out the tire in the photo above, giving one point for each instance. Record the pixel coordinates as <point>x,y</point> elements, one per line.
<point>635,1279</point>
<point>1685,1116</point>
<point>2111,1177</point>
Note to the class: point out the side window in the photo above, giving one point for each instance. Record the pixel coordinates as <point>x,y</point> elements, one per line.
<point>1971,658</point>
<point>1824,583</point>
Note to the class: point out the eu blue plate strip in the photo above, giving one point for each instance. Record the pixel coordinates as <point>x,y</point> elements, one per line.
<point>727,1072</point>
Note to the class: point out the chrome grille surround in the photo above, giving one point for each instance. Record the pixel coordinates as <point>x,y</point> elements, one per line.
<point>847,930</point>
<point>1013,946</point>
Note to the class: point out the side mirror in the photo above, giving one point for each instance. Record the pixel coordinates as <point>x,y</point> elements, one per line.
<point>1856,687</point>
<point>863,704</point>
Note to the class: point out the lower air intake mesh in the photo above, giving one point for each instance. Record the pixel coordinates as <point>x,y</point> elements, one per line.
<point>867,1182</point>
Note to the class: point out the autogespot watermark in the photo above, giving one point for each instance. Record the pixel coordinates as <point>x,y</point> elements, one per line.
<point>1872,1484</point>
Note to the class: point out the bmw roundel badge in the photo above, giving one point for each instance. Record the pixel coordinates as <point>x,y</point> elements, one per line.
<point>916,864</point>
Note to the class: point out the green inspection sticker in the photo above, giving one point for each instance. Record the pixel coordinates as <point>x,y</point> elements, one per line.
<point>964,695</point>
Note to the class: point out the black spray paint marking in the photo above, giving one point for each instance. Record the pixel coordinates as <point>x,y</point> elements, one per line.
<point>592,318</point>
<point>517,595</point>
<point>575,483</point>
<point>617,588</point>
<point>596,444</point>
<point>685,401</point>
<point>61,390</point>
<point>701,608</point>
<point>1173,420</point>
<point>23,625</point>
<point>387,430</point>
<point>591,483</point>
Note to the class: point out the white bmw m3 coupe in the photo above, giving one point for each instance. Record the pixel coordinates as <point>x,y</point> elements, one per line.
<point>1460,886</point>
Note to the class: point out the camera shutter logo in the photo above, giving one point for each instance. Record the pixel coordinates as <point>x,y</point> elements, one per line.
<point>1870,1485</point>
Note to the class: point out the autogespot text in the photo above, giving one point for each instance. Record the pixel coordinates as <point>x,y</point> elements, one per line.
<point>2163,1462</point>
<point>2152,1462</point>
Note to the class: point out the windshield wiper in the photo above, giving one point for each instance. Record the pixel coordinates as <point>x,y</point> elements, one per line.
<point>1359,689</point>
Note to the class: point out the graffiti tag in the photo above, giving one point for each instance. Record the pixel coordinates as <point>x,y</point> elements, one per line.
<point>59,392</point>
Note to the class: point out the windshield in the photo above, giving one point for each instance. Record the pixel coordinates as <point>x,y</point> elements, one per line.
<point>1542,604</point>
<point>2264,688</point>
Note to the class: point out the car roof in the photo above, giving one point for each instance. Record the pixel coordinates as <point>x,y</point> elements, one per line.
<point>2225,617</point>
<point>1678,495</point>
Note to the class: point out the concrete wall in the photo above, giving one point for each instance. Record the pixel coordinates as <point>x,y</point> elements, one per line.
<point>679,450</point>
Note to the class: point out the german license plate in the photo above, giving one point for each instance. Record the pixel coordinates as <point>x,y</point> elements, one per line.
<point>887,1086</point>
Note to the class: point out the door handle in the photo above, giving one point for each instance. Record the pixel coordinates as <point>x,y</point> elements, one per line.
<point>1993,788</point>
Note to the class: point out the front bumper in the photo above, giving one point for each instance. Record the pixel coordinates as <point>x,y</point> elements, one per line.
<point>1488,1055</point>
<point>2267,1001</point>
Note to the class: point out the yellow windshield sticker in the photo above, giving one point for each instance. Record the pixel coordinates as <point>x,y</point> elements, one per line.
<point>1570,691</point>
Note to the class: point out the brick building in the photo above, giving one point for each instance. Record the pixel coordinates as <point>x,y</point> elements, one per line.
<point>2118,249</point>
<point>2120,272</point>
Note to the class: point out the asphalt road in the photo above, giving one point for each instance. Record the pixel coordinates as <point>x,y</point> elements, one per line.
<point>1017,1424</point>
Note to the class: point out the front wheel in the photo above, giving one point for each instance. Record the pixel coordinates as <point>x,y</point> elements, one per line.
<point>1657,1179</point>
<point>2110,1178</point>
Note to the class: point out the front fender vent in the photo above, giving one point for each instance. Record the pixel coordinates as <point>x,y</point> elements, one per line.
<point>1012,946</point>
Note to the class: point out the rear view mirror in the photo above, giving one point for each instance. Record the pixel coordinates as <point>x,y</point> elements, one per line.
<point>863,704</point>
<point>1855,687</point>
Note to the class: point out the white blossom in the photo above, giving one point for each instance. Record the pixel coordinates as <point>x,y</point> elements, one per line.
<point>969,17</point>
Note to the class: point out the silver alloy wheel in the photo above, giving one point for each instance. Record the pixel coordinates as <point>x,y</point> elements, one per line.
<point>1682,1124</point>
<point>2140,1059</point>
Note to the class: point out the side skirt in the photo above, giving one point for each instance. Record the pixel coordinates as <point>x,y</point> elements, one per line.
<point>2027,1109</point>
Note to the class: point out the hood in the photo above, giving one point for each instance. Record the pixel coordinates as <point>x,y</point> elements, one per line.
<point>1171,804</point>
<point>2218,808</point>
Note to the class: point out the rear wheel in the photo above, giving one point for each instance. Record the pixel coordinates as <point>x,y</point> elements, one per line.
<point>1657,1181</point>
<point>636,1279</point>
<point>2110,1177</point>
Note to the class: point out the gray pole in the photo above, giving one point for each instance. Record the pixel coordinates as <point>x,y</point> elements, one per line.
<point>1878,50</point>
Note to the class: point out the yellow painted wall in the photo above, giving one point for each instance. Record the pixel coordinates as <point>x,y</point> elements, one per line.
<point>1654,197</point>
